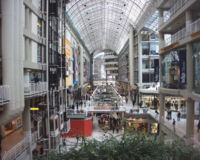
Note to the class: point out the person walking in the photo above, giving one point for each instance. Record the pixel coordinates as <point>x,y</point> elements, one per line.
<point>174,123</point>
<point>178,116</point>
<point>126,99</point>
<point>198,126</point>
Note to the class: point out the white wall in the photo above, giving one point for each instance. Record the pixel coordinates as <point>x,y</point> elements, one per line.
<point>36,3</point>
<point>34,24</point>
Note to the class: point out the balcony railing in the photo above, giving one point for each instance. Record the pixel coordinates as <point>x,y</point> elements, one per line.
<point>4,94</point>
<point>19,148</point>
<point>32,89</point>
<point>178,5</point>
<point>193,27</point>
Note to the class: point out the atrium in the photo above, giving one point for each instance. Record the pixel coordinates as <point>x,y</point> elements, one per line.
<point>80,69</point>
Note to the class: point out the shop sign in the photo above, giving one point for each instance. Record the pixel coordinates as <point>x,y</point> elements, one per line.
<point>34,108</point>
<point>182,57</point>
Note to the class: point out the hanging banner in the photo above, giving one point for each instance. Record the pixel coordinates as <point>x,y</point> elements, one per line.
<point>182,63</point>
<point>67,47</point>
<point>156,70</point>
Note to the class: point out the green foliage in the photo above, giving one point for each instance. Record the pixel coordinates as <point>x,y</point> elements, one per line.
<point>128,147</point>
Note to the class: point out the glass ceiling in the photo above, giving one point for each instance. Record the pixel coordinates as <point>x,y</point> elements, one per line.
<point>105,24</point>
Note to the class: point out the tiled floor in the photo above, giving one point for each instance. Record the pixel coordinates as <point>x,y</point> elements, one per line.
<point>14,138</point>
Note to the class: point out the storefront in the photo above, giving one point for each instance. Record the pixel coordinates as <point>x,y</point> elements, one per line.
<point>12,126</point>
<point>149,99</point>
<point>175,104</point>
<point>196,66</point>
<point>174,69</point>
<point>136,125</point>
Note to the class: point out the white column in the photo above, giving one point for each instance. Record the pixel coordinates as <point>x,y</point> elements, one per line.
<point>81,67</point>
<point>12,59</point>
<point>139,59</point>
<point>188,20</point>
<point>161,19</point>
<point>162,108</point>
<point>190,118</point>
<point>130,56</point>
<point>27,128</point>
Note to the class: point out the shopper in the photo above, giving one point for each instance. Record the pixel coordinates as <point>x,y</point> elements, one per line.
<point>141,103</point>
<point>126,99</point>
<point>174,123</point>
<point>1,138</point>
<point>198,126</point>
<point>178,116</point>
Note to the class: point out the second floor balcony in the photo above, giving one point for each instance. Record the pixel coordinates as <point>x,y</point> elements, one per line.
<point>35,89</point>
<point>181,34</point>
<point>4,94</point>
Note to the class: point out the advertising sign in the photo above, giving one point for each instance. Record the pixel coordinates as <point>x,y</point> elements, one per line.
<point>67,47</point>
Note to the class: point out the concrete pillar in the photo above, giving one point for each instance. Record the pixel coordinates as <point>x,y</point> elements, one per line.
<point>189,67</point>
<point>189,54</point>
<point>12,57</point>
<point>190,118</point>
<point>162,108</point>
<point>91,69</point>
<point>139,59</point>
<point>27,128</point>
<point>131,60</point>
<point>161,19</point>
<point>81,67</point>
<point>188,20</point>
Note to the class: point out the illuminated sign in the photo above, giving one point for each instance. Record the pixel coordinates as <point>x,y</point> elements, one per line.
<point>34,109</point>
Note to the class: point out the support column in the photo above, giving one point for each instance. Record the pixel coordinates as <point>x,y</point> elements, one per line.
<point>139,58</point>
<point>161,19</point>
<point>189,102</point>
<point>81,67</point>
<point>189,55</point>
<point>162,117</point>
<point>162,108</point>
<point>130,56</point>
<point>91,69</point>
<point>27,128</point>
<point>190,118</point>
<point>188,20</point>
<point>12,60</point>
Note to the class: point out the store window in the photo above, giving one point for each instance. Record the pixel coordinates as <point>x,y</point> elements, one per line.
<point>196,66</point>
<point>13,125</point>
<point>39,53</point>
<point>174,70</point>
<point>147,77</point>
<point>51,125</point>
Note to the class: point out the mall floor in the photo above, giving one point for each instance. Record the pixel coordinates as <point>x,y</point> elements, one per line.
<point>180,130</point>
<point>180,127</point>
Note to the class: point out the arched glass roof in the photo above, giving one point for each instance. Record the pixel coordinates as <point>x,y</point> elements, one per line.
<point>105,24</point>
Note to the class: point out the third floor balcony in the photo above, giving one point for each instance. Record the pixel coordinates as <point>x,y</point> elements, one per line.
<point>35,89</point>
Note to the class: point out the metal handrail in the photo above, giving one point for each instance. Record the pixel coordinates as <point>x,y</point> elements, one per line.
<point>34,88</point>
<point>14,152</point>
<point>177,6</point>
<point>19,148</point>
<point>192,28</point>
<point>4,93</point>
